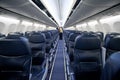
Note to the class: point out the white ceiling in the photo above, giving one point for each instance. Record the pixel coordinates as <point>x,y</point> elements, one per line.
<point>59,9</point>
<point>53,7</point>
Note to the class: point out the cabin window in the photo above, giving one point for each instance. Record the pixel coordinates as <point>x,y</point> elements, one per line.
<point>2,26</point>
<point>20,28</point>
<point>12,28</point>
<point>116,26</point>
<point>106,27</point>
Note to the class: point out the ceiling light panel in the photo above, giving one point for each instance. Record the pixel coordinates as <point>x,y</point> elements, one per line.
<point>52,7</point>
<point>66,7</point>
<point>59,9</point>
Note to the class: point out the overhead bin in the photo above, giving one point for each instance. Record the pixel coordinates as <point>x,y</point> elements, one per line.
<point>27,8</point>
<point>88,8</point>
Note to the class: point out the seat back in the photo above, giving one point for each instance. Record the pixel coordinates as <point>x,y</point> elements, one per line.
<point>87,56</point>
<point>38,45</point>
<point>112,44</point>
<point>111,69</point>
<point>100,34</point>
<point>15,58</point>
<point>48,41</point>
<point>71,45</point>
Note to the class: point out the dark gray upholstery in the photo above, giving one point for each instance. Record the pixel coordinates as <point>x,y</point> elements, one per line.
<point>101,35</point>
<point>111,69</point>
<point>87,43</point>
<point>38,45</point>
<point>112,44</point>
<point>48,41</point>
<point>2,35</point>
<point>13,36</point>
<point>71,45</point>
<point>37,38</point>
<point>87,57</point>
<point>15,59</point>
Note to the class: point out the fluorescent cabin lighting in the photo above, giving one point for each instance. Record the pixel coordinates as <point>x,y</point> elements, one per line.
<point>59,9</point>
<point>84,25</point>
<point>44,26</point>
<point>71,28</point>
<point>51,28</point>
<point>66,7</point>
<point>36,24</point>
<point>81,25</point>
<point>27,23</point>
<point>9,19</point>
<point>52,7</point>
<point>110,19</point>
<point>92,23</point>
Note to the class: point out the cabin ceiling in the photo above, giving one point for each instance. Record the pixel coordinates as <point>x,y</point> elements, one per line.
<point>59,9</point>
<point>85,9</point>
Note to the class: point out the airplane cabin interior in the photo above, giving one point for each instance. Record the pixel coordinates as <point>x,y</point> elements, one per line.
<point>59,39</point>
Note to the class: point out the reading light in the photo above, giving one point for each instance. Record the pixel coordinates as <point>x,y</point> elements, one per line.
<point>51,28</point>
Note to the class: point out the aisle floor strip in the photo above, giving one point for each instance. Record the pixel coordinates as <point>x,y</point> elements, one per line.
<point>58,69</point>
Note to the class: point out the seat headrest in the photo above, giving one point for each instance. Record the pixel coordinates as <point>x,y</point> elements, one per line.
<point>70,34</point>
<point>113,43</point>
<point>114,33</point>
<point>87,42</point>
<point>37,38</point>
<point>47,35</point>
<point>73,36</point>
<point>111,35</point>
<point>100,34</point>
<point>14,47</point>
<point>12,33</point>
<point>2,35</point>
<point>14,36</point>
<point>35,33</point>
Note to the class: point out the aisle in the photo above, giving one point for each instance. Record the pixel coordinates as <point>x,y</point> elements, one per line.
<point>58,72</point>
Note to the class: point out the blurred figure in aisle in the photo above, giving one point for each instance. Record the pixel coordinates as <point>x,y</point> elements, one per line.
<point>60,29</point>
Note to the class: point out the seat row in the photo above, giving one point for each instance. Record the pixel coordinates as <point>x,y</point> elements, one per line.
<point>26,56</point>
<point>88,52</point>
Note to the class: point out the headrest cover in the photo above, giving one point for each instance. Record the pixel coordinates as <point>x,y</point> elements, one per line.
<point>47,35</point>
<point>37,38</point>
<point>2,35</point>
<point>13,36</point>
<point>73,36</point>
<point>115,34</point>
<point>113,43</point>
<point>35,33</point>
<point>100,34</point>
<point>86,42</point>
<point>14,47</point>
